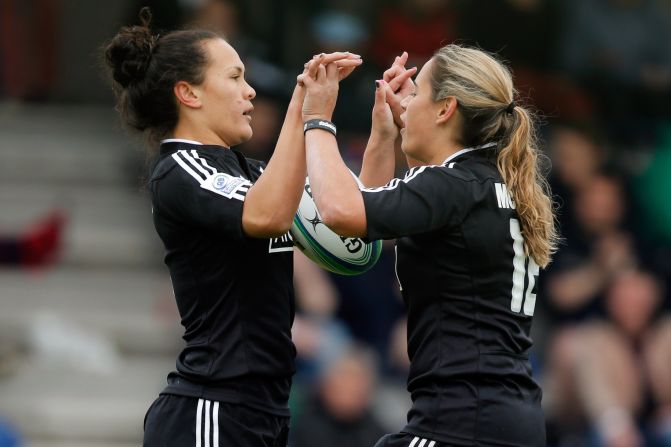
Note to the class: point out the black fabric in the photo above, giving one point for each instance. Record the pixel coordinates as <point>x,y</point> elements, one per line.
<point>172,421</point>
<point>234,293</point>
<point>468,327</point>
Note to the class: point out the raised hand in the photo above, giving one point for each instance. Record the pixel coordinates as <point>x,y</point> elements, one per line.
<point>399,85</point>
<point>320,78</point>
<point>345,61</point>
<point>383,125</point>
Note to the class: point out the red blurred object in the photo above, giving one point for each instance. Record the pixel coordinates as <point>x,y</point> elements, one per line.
<point>418,34</point>
<point>40,245</point>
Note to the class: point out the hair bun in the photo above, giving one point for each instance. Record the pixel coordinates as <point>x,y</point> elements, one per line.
<point>129,53</point>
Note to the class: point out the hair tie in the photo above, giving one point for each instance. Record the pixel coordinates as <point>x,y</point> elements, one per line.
<point>511,108</point>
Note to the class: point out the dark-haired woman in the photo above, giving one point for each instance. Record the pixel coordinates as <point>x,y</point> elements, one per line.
<point>224,221</point>
<point>473,221</point>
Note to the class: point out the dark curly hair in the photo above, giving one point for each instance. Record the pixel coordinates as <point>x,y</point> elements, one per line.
<point>145,68</point>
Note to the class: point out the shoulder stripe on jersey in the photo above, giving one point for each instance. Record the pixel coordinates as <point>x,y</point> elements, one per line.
<point>414,441</point>
<point>202,161</point>
<point>187,168</point>
<point>393,184</point>
<point>194,163</point>
<point>198,171</point>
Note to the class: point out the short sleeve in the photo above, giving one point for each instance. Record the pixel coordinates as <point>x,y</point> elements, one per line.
<point>428,198</point>
<point>198,194</point>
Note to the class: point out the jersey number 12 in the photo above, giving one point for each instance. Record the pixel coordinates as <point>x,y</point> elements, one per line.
<point>523,267</point>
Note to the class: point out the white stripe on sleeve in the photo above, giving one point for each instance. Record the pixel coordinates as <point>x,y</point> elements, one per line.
<point>414,441</point>
<point>421,444</point>
<point>215,422</point>
<point>199,418</point>
<point>207,423</point>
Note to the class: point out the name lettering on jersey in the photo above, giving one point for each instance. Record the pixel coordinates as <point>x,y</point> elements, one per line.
<point>503,197</point>
<point>281,244</point>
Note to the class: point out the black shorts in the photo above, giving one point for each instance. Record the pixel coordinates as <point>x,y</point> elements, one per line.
<point>188,421</point>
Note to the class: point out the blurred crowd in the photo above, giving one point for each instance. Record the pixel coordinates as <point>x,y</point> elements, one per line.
<point>598,73</point>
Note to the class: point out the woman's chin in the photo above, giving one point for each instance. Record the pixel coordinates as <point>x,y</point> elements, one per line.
<point>243,137</point>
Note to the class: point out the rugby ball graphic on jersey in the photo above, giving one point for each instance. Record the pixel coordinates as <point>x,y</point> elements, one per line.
<point>342,255</point>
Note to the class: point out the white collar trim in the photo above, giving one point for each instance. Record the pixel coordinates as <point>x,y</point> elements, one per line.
<point>466,150</point>
<point>180,140</point>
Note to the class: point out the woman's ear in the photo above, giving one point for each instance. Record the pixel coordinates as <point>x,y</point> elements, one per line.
<point>447,108</point>
<point>187,94</point>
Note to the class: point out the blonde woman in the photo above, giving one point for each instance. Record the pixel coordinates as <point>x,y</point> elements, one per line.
<point>474,224</point>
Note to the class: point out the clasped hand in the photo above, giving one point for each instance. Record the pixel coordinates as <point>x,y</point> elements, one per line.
<point>320,78</point>
<point>323,72</point>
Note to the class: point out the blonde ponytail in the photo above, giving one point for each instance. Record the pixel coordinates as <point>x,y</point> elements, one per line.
<point>518,164</point>
<point>484,91</point>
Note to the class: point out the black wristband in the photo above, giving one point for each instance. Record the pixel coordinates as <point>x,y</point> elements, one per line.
<point>319,124</point>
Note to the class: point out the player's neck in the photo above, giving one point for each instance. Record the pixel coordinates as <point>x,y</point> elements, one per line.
<point>185,131</point>
<point>443,152</point>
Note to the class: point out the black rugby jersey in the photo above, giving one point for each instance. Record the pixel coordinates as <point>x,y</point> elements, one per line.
<point>470,294</point>
<point>234,293</point>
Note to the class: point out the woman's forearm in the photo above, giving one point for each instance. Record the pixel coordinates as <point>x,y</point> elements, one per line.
<point>378,165</point>
<point>334,190</point>
<point>271,203</point>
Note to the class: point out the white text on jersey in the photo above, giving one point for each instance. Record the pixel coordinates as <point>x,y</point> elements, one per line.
<point>503,196</point>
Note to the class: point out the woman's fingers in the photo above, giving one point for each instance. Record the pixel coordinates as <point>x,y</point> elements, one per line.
<point>321,73</point>
<point>394,104</point>
<point>380,94</point>
<point>313,66</point>
<point>391,72</point>
<point>398,80</point>
<point>332,72</point>
<point>348,62</point>
<point>402,59</point>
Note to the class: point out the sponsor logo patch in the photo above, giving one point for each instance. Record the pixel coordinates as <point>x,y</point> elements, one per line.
<point>225,184</point>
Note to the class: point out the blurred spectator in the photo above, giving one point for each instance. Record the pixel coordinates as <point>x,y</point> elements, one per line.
<point>609,380</point>
<point>38,246</point>
<point>576,158</point>
<point>618,49</point>
<point>318,336</point>
<point>339,413</point>
<point>597,249</point>
<point>530,48</point>
<point>30,39</point>
<point>375,293</point>
<point>266,124</point>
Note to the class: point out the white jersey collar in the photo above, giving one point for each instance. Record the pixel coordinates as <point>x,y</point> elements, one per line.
<point>179,140</point>
<point>466,150</point>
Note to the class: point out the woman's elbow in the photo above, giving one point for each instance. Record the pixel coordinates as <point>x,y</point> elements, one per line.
<point>342,220</point>
<point>265,226</point>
